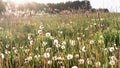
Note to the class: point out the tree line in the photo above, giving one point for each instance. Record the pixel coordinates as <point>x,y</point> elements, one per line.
<point>53,7</point>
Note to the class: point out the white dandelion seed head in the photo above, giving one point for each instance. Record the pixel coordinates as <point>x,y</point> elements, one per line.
<point>2,55</point>
<point>84,49</point>
<point>89,61</point>
<point>81,61</point>
<point>111,49</point>
<point>72,42</point>
<point>62,47</point>
<point>113,58</point>
<point>77,55</point>
<point>98,64</point>
<point>112,62</point>
<point>44,43</point>
<point>91,42</point>
<point>31,42</point>
<point>48,34</point>
<point>55,42</point>
<point>63,42</point>
<point>49,62</point>
<point>40,31</point>
<point>69,56</point>
<point>46,55</point>
<point>74,66</point>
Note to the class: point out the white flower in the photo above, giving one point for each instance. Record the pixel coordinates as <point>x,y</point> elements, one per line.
<point>37,56</point>
<point>62,47</point>
<point>2,56</point>
<point>89,61</point>
<point>48,49</point>
<point>28,58</point>
<point>46,55</point>
<point>29,37</point>
<point>112,62</point>
<point>31,42</point>
<point>84,49</point>
<point>7,52</point>
<point>63,42</point>
<point>113,58</point>
<point>15,51</point>
<point>49,62</point>
<point>48,34</point>
<point>69,56</point>
<point>55,42</point>
<point>111,49</point>
<point>76,55</point>
<point>78,38</point>
<point>41,26</point>
<point>60,58</point>
<point>72,42</point>
<point>100,41</point>
<point>39,31</point>
<point>81,61</point>
<point>98,64</point>
<point>44,43</point>
<point>91,42</point>
<point>74,66</point>
<point>7,46</point>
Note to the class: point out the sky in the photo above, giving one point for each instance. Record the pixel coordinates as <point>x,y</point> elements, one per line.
<point>112,5</point>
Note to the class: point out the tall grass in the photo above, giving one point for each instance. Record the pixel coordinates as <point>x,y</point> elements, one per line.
<point>61,41</point>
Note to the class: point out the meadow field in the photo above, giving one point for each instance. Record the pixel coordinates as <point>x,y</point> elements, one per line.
<point>61,41</point>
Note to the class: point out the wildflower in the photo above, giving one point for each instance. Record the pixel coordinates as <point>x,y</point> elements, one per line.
<point>76,55</point>
<point>100,41</point>
<point>27,50</point>
<point>69,56</point>
<point>78,38</point>
<point>89,61</point>
<point>84,49</point>
<point>48,34</point>
<point>62,47</point>
<point>91,42</point>
<point>62,66</point>
<point>44,43</point>
<point>2,56</point>
<point>29,37</point>
<point>81,61</point>
<point>54,58</point>
<point>39,31</point>
<point>46,55</point>
<point>60,58</point>
<point>94,24</point>
<point>112,62</point>
<point>113,58</point>
<point>7,52</point>
<point>101,36</point>
<point>37,56</point>
<point>48,49</point>
<point>15,51</point>
<point>41,26</point>
<point>55,42</point>
<point>28,59</point>
<point>72,42</point>
<point>98,64</point>
<point>74,66</point>
<point>7,46</point>
<point>63,42</point>
<point>49,62</point>
<point>111,49</point>
<point>31,42</point>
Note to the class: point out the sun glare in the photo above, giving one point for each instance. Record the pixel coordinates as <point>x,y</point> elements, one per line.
<point>20,1</point>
